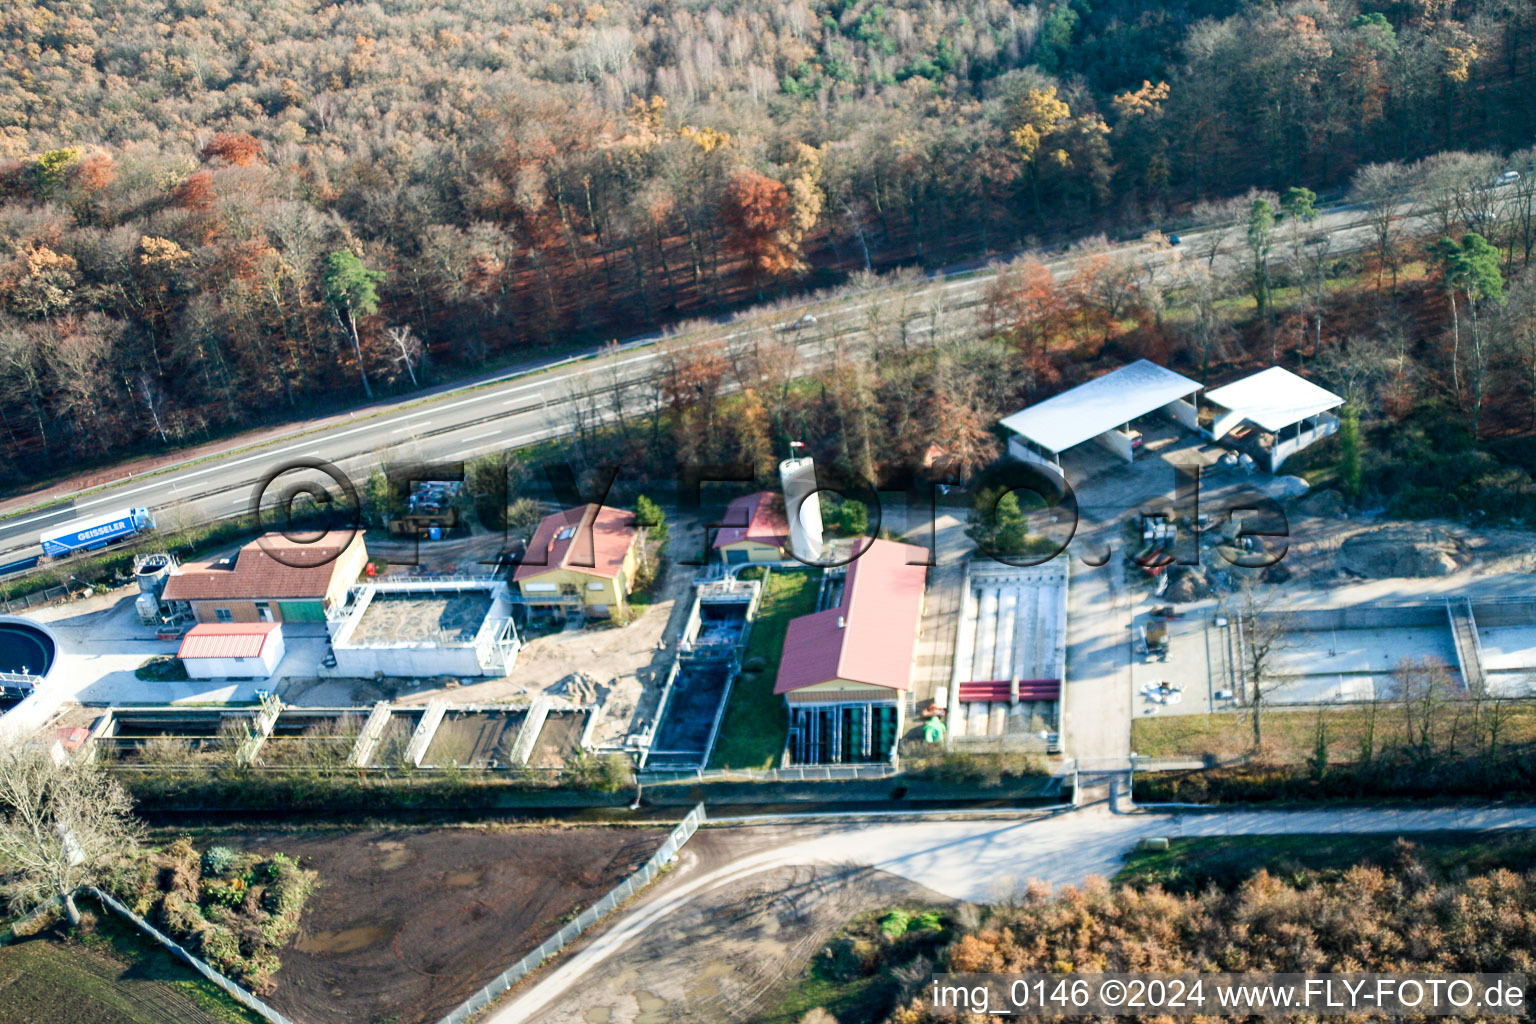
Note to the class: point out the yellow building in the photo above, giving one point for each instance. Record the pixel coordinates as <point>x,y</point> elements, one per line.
<point>755,530</point>
<point>582,557</point>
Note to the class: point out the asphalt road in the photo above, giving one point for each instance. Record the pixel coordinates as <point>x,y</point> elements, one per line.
<point>979,861</point>
<point>522,407</point>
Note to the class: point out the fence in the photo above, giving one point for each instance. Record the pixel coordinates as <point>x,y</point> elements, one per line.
<point>586,919</point>
<point>32,600</point>
<point>794,773</point>
<point>235,992</point>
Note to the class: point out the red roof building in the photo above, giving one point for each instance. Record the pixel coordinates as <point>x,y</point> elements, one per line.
<point>273,579</point>
<point>224,650</point>
<point>582,556</point>
<point>227,639</point>
<point>866,643</point>
<point>756,529</point>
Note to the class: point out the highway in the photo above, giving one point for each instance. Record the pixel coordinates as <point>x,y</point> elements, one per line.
<point>528,405</point>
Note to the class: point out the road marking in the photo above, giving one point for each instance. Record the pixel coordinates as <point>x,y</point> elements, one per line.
<point>477,437</point>
<point>411,426</point>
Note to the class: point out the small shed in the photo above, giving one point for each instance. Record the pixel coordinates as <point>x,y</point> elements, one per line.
<point>1274,411</point>
<point>232,650</point>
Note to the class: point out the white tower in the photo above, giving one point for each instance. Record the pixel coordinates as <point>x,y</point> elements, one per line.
<point>802,507</point>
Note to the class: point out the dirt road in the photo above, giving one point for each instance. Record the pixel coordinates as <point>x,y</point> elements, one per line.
<point>968,860</point>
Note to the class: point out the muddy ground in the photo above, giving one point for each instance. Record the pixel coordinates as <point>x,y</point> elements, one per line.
<point>407,923</point>
<point>730,955</point>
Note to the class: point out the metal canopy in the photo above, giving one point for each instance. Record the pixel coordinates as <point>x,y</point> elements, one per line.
<point>1274,398</point>
<point>1100,405</point>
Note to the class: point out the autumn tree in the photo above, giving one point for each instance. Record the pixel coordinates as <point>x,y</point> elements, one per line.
<point>757,212</point>
<point>237,148</point>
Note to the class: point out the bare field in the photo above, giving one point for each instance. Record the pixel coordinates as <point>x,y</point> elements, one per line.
<point>407,923</point>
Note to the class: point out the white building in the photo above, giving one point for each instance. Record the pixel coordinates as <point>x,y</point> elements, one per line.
<point>232,650</point>
<point>426,627</point>
<point>1101,410</point>
<point>1275,412</point>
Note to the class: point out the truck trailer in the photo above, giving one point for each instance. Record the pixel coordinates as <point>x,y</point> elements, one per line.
<point>96,532</point>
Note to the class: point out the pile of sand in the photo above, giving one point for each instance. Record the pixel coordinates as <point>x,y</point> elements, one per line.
<point>1186,583</point>
<point>1403,550</point>
<point>578,688</point>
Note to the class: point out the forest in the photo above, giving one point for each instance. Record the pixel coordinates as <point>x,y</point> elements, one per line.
<point>1295,904</point>
<point>218,213</point>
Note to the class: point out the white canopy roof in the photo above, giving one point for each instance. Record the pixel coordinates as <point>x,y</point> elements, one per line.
<point>1101,404</point>
<point>1274,398</point>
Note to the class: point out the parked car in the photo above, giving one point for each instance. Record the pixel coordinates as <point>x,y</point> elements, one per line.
<point>1509,178</point>
<point>1173,239</point>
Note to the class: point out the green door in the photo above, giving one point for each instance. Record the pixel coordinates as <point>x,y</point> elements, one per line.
<point>302,611</point>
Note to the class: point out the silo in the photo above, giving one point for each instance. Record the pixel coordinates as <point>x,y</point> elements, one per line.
<point>802,506</point>
<point>151,571</point>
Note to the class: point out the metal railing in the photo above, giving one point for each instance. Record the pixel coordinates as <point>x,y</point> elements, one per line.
<point>793,773</point>
<point>586,919</point>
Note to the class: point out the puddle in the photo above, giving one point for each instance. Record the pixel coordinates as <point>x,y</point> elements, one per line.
<point>652,1008</point>
<point>598,1015</point>
<point>707,981</point>
<point>348,941</point>
<point>464,879</point>
<point>395,855</point>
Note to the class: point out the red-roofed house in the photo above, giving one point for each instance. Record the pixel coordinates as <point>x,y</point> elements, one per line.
<point>272,579</point>
<point>225,650</point>
<point>846,670</point>
<point>582,556</point>
<point>755,529</point>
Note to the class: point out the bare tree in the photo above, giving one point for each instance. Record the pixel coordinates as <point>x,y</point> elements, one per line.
<point>407,348</point>
<point>1424,687</point>
<point>64,822</point>
<point>1261,637</point>
<point>1382,189</point>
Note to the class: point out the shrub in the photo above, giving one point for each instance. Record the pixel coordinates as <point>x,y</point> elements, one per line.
<point>607,774</point>
<point>181,916</point>
<point>230,893</point>
<point>163,668</point>
<point>218,861</point>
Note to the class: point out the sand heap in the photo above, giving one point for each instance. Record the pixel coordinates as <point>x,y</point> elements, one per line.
<point>1403,550</point>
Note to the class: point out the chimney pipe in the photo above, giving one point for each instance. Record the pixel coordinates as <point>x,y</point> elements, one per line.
<point>840,623</point>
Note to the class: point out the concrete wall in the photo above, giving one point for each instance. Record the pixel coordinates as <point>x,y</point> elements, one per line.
<point>1117,443</point>
<point>1327,426</point>
<point>1024,453</point>
<point>1183,413</point>
<point>1224,422</point>
<point>1504,613</point>
<point>407,661</point>
<point>1428,614</point>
